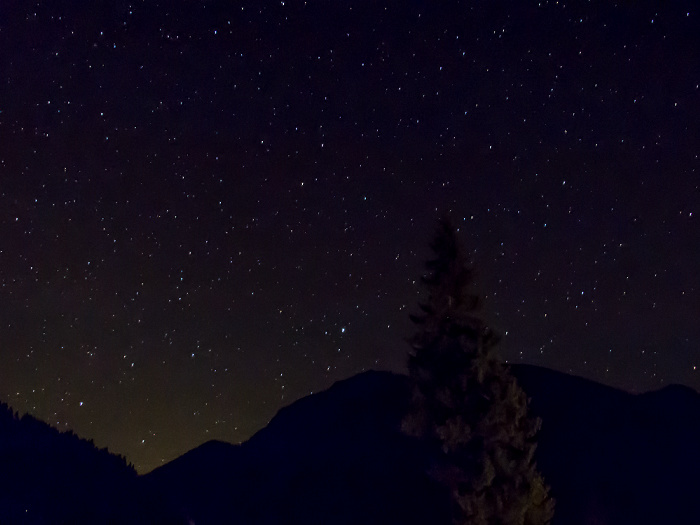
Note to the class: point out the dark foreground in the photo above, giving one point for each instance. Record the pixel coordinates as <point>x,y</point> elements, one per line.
<point>338,457</point>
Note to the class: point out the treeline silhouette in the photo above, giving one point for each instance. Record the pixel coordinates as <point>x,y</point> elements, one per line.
<point>339,457</point>
<point>47,476</point>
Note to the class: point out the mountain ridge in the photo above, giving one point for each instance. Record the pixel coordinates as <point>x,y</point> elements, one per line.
<point>600,448</point>
<point>338,456</point>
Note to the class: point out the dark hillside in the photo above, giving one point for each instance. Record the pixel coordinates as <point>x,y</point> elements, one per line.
<point>47,476</point>
<point>332,457</point>
<point>338,457</point>
<point>614,457</point>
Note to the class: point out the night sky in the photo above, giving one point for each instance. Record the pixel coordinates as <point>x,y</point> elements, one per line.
<point>211,209</point>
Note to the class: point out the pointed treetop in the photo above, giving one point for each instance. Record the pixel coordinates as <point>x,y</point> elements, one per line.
<point>448,280</point>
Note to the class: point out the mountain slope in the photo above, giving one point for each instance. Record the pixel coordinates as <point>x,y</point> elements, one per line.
<point>332,457</point>
<point>47,476</point>
<point>339,457</point>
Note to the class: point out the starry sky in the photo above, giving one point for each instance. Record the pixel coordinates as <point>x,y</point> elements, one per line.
<point>211,209</point>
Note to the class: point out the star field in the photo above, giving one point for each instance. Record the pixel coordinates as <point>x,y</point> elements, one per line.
<point>211,209</point>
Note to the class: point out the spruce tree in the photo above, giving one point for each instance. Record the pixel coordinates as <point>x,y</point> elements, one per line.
<point>466,402</point>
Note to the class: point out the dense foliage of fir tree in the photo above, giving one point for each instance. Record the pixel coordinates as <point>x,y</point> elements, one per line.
<point>467,402</point>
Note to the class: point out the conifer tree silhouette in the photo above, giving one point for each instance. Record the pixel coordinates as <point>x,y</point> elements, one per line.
<point>466,401</point>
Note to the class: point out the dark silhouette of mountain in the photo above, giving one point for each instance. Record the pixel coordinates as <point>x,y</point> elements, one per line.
<point>52,477</point>
<point>614,457</point>
<point>338,457</point>
<point>332,457</point>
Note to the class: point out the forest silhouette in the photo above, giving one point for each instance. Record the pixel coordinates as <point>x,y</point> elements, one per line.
<point>339,456</point>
